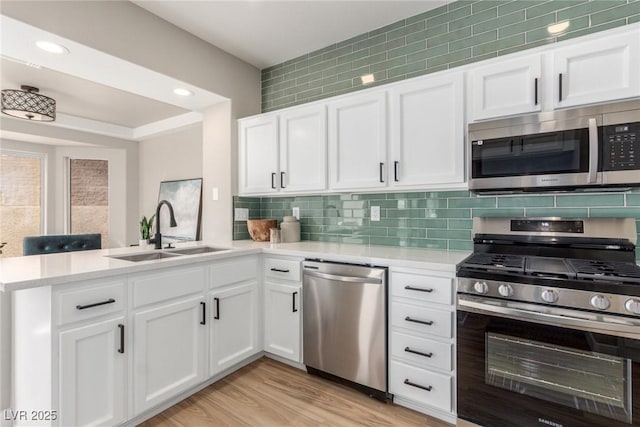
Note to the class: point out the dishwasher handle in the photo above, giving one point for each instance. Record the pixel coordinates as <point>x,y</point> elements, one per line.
<point>340,278</point>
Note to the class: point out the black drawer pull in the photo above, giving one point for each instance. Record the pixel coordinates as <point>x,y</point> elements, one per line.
<point>279,270</point>
<point>422,322</point>
<point>560,87</point>
<point>395,171</point>
<point>535,91</point>
<point>204,313</point>
<point>427,388</point>
<point>273,180</point>
<point>121,349</point>
<point>419,353</point>
<point>381,166</point>
<point>282,180</point>
<point>294,301</point>
<point>411,288</point>
<point>217,316</point>
<point>109,301</point>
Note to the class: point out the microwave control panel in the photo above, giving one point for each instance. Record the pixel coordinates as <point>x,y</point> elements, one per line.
<point>621,147</point>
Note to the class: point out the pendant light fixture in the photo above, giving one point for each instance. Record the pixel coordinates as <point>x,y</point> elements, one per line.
<point>28,104</point>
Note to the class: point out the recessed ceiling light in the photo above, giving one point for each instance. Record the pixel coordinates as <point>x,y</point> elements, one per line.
<point>182,92</point>
<point>367,79</point>
<point>558,28</point>
<point>52,47</point>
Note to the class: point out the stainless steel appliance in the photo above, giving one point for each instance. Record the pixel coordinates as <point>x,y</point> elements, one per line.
<point>345,323</point>
<point>577,148</point>
<point>548,324</point>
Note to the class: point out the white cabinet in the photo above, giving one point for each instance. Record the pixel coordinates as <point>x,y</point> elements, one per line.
<point>235,313</point>
<point>283,308</point>
<point>258,155</point>
<point>602,69</point>
<point>285,152</point>
<point>427,132</point>
<point>358,141</point>
<point>422,340</point>
<point>504,88</point>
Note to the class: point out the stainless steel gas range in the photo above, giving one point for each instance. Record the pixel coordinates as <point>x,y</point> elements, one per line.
<point>548,324</point>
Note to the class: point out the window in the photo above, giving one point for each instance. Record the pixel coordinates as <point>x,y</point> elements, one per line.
<point>89,197</point>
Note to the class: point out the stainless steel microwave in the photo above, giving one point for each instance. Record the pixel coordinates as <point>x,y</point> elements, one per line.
<point>586,147</point>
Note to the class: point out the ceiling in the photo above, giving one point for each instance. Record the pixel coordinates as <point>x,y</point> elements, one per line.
<point>261,32</point>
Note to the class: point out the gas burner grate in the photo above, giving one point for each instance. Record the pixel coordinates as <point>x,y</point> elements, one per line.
<point>610,270</point>
<point>496,261</point>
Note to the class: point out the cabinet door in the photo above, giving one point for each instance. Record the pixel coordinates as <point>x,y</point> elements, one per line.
<point>258,155</point>
<point>303,149</point>
<point>427,136</point>
<point>603,69</point>
<point>358,142</point>
<point>505,88</point>
<point>92,374</point>
<point>169,351</point>
<point>282,305</point>
<point>234,325</point>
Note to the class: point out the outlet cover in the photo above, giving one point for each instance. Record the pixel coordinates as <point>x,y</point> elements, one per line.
<point>241,214</point>
<point>296,213</point>
<point>375,213</point>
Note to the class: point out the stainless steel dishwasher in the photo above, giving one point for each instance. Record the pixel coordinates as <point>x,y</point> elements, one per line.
<point>345,323</point>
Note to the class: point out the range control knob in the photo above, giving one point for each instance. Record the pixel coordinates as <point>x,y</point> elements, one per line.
<point>632,305</point>
<point>481,287</point>
<point>505,290</point>
<point>600,302</point>
<point>549,295</point>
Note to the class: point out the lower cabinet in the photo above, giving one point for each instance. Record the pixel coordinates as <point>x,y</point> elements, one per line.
<point>93,374</point>
<point>282,319</point>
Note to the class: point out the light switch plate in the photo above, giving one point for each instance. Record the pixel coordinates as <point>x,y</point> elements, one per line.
<point>375,213</point>
<point>241,214</point>
<point>296,212</point>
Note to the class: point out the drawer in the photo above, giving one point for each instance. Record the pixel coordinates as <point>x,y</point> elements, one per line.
<point>91,300</point>
<point>167,284</point>
<point>234,271</point>
<point>422,319</point>
<point>420,385</point>
<point>282,269</point>
<point>424,353</point>
<point>422,287</point>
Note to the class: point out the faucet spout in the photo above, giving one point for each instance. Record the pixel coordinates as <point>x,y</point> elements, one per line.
<point>172,222</point>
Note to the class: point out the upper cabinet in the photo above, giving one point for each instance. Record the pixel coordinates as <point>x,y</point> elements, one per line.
<point>358,141</point>
<point>283,152</point>
<point>427,132</point>
<point>601,70</point>
<point>505,88</point>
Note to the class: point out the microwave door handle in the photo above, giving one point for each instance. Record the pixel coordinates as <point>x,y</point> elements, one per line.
<point>593,151</point>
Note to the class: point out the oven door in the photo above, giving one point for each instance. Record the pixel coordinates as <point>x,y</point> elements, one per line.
<point>554,367</point>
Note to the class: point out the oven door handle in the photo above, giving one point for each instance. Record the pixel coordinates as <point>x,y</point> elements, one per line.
<point>624,327</point>
<point>593,151</point>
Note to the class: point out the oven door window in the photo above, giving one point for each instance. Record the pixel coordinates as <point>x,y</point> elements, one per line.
<point>588,381</point>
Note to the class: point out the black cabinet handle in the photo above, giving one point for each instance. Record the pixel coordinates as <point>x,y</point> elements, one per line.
<point>121,349</point>
<point>273,180</point>
<point>381,166</point>
<point>217,316</point>
<point>422,322</point>
<point>204,313</point>
<point>535,91</point>
<point>427,388</point>
<point>560,87</point>
<point>294,301</point>
<point>411,288</point>
<point>282,180</point>
<point>279,270</point>
<point>419,353</point>
<point>395,171</point>
<point>82,307</point>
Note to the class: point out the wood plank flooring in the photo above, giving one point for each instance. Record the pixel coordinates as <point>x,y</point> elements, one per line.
<point>269,393</point>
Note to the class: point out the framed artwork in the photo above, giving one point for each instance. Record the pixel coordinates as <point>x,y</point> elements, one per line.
<point>186,198</point>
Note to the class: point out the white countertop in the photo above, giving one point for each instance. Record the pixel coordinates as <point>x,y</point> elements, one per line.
<point>53,269</point>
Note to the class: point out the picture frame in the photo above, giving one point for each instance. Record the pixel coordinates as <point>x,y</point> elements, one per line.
<point>185,195</point>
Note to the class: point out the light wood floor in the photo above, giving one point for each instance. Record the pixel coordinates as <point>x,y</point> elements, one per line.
<point>269,393</point>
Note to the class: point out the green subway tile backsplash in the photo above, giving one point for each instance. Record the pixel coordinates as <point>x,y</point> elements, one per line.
<point>440,220</point>
<point>452,35</point>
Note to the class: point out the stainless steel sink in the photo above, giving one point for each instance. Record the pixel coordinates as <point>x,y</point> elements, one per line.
<point>150,256</point>
<point>197,250</point>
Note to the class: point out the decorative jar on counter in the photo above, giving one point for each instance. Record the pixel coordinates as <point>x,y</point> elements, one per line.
<point>290,229</point>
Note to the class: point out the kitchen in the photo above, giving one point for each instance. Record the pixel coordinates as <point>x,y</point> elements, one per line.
<point>412,214</point>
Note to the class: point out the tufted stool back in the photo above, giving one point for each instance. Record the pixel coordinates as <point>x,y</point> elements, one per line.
<point>40,245</point>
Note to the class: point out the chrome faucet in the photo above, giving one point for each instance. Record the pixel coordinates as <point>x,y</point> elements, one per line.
<point>172,222</point>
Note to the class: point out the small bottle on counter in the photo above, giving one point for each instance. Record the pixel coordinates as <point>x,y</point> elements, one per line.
<point>290,228</point>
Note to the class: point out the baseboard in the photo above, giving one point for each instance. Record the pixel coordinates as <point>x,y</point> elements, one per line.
<point>427,410</point>
<point>286,361</point>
